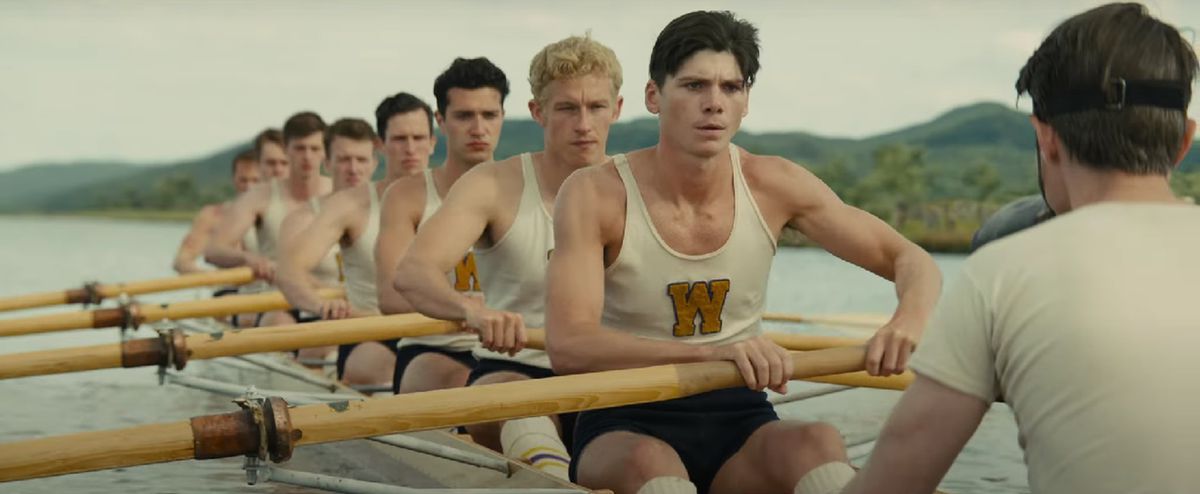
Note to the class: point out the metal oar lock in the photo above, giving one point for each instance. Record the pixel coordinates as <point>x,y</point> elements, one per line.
<point>169,349</point>
<point>261,430</point>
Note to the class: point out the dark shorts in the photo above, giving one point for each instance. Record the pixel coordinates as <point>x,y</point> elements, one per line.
<point>488,366</point>
<point>705,429</point>
<point>407,353</point>
<point>297,315</point>
<point>344,354</point>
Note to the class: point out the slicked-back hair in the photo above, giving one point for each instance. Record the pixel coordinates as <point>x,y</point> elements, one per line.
<point>399,104</point>
<point>719,31</point>
<point>355,129</point>
<point>469,73</point>
<point>247,156</point>
<point>267,135</point>
<point>1089,50</point>
<point>302,125</point>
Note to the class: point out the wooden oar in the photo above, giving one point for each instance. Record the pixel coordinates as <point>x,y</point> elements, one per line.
<point>236,433</point>
<point>137,314</point>
<point>872,321</point>
<point>94,293</point>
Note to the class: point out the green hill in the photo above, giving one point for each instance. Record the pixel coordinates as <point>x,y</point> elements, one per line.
<point>956,147</point>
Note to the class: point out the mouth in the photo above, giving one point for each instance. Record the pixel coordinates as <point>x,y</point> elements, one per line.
<point>478,146</point>
<point>582,143</point>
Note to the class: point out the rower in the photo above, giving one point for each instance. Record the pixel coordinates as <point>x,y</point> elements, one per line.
<point>662,256</point>
<point>349,219</point>
<point>1086,325</point>
<point>264,207</point>
<point>503,208</point>
<point>245,174</point>
<point>470,112</point>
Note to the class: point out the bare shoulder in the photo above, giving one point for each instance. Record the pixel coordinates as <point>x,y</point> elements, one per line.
<point>779,179</point>
<point>594,195</point>
<point>254,199</point>
<point>349,200</point>
<point>405,193</point>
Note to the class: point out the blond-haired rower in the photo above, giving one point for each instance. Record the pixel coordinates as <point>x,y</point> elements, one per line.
<point>504,209</point>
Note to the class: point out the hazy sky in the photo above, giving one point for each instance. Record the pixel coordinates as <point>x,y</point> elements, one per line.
<point>166,80</point>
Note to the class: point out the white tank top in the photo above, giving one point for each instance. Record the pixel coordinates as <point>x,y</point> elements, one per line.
<point>653,291</point>
<point>359,261</point>
<point>464,278</point>
<point>513,271</point>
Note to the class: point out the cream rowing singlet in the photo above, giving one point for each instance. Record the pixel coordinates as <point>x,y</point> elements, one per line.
<point>359,261</point>
<point>653,291</point>
<point>513,271</point>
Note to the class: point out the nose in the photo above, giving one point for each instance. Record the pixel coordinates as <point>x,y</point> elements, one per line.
<point>477,127</point>
<point>713,101</point>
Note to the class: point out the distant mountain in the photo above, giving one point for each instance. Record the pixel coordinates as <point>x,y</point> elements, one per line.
<point>954,143</point>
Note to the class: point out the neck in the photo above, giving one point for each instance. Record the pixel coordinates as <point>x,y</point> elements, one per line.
<point>448,173</point>
<point>1091,186</point>
<point>554,168</point>
<point>303,188</point>
<point>687,178</point>
<point>394,173</point>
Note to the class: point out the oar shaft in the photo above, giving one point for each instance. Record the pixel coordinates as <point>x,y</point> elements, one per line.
<point>147,313</point>
<point>60,361</point>
<point>872,321</point>
<point>95,293</point>
<point>323,423</point>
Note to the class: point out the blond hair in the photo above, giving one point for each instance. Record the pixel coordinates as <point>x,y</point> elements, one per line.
<point>575,56</point>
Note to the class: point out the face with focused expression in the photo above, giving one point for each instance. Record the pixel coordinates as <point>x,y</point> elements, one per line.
<point>408,143</point>
<point>306,154</point>
<point>701,105</point>
<point>351,162</point>
<point>273,162</point>
<point>576,115</point>
<point>245,174</point>
<point>472,124</point>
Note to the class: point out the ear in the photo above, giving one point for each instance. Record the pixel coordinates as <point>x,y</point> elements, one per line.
<point>432,143</point>
<point>535,111</point>
<point>1049,144</point>
<point>378,145</point>
<point>441,119</point>
<point>617,109</point>
<point>652,95</point>
<point>746,108</point>
<point>1189,136</point>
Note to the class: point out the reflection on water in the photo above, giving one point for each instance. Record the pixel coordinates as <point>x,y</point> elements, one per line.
<point>38,254</point>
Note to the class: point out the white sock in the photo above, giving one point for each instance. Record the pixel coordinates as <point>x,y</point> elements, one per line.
<point>667,485</point>
<point>829,478</point>
<point>536,440</point>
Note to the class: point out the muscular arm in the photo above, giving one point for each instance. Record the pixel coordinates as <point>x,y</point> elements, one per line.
<point>308,240</point>
<point>921,439</point>
<point>862,239</point>
<point>195,240</point>
<point>397,227</point>
<point>575,339</point>
<point>441,243</point>
<point>224,249</point>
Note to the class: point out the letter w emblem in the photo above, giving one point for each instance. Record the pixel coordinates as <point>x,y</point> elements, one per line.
<point>466,274</point>
<point>703,298</point>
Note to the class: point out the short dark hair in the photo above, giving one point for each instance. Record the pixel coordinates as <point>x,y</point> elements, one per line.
<point>399,104</point>
<point>355,129</point>
<point>302,125</point>
<point>719,31</point>
<point>469,73</point>
<point>1087,51</point>
<point>246,156</point>
<point>267,135</point>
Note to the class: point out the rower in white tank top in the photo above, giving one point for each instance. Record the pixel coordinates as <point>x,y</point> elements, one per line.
<point>328,272</point>
<point>359,261</point>
<point>653,291</point>
<point>513,270</point>
<point>464,278</point>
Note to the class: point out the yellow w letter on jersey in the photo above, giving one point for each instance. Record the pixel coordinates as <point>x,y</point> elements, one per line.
<point>706,298</point>
<point>466,275</point>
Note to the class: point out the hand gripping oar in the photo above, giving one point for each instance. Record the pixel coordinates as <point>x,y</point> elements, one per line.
<point>271,429</point>
<point>133,315</point>
<point>93,293</point>
<point>174,349</point>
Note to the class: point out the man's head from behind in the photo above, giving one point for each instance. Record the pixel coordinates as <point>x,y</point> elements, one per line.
<point>576,84</point>
<point>1110,89</point>
<point>470,108</point>
<point>303,141</point>
<point>268,150</point>
<point>351,143</point>
<point>405,124</point>
<point>245,170</point>
<point>701,70</point>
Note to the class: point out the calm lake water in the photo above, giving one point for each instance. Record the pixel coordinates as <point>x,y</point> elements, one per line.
<point>38,254</point>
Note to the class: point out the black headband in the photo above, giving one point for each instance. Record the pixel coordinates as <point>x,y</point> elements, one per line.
<point>1115,95</point>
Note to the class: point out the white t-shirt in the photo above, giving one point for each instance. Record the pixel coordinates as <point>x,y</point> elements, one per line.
<point>1088,326</point>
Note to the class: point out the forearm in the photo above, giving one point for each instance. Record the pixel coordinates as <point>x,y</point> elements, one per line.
<point>918,284</point>
<point>185,262</point>
<point>597,348</point>
<point>226,256</point>
<point>298,289</point>
<point>427,291</point>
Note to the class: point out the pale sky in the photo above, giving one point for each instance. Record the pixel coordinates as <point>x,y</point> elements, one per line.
<point>168,80</point>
